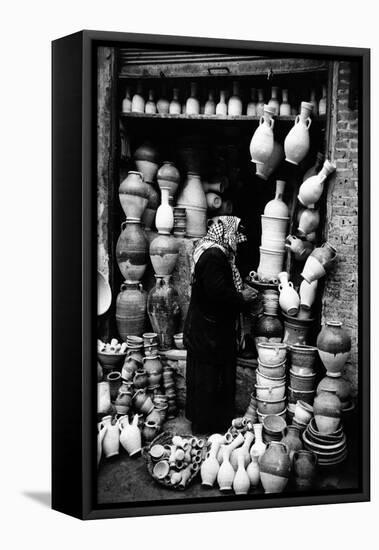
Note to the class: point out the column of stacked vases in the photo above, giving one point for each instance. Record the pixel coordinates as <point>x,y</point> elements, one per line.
<point>274,230</point>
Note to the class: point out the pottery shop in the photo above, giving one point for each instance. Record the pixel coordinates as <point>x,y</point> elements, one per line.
<point>188,143</point>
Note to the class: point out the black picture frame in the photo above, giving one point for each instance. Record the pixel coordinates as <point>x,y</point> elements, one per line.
<point>74,286</point>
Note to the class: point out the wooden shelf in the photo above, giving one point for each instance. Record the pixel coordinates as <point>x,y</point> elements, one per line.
<point>241,118</point>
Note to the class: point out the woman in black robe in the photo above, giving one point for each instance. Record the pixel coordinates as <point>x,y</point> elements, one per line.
<point>210,328</point>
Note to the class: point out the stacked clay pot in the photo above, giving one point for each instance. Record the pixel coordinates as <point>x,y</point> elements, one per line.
<point>268,328</point>
<point>302,383</point>
<point>274,229</point>
<point>271,380</point>
<point>170,391</point>
<point>131,310</point>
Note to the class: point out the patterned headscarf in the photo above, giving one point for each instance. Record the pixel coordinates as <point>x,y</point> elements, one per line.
<point>224,235</point>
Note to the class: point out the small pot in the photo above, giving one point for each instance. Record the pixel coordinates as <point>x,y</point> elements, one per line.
<point>274,425</point>
<point>272,354</point>
<point>294,396</point>
<point>263,380</point>
<point>271,407</point>
<point>303,412</point>
<point>262,416</point>
<point>305,382</point>
<point>273,371</point>
<point>303,358</point>
<point>271,393</point>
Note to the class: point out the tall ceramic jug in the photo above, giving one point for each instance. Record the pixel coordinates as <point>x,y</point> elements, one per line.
<point>311,189</point>
<point>322,102</point>
<point>133,194</point>
<point>146,159</point>
<point>175,107</point>
<point>210,105</point>
<point>164,311</point>
<point>226,472</point>
<point>131,310</point>
<point>308,294</point>
<point>132,250</point>
<point>150,105</point>
<point>164,251</point>
<point>127,101</point>
<point>274,101</point>
<point>138,101</point>
<point>315,169</point>
<point>259,447</point>
<point>222,107</point>
<point>210,467</point>
<point>192,104</point>
<point>130,436</point>
<point>334,344</point>
<point>164,218</point>
<point>285,107</point>
<point>111,440</point>
<point>327,411</point>
<point>241,481</point>
<point>289,299</point>
<point>235,103</point>
<point>192,198</point>
<point>262,142</point>
<point>265,170</point>
<point>319,262</point>
<point>296,144</point>
<point>275,467</point>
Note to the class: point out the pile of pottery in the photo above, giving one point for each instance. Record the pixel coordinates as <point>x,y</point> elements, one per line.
<point>330,447</point>
<point>302,385</point>
<point>268,327</point>
<point>170,391</point>
<point>175,460</point>
<point>270,388</point>
<point>274,230</point>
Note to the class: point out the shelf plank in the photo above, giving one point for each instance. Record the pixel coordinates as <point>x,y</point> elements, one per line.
<point>242,118</point>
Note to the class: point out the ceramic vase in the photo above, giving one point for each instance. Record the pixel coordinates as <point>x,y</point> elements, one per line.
<point>163,104</point>
<point>164,218</point>
<point>241,481</point>
<point>275,467</point>
<point>131,310</point>
<point>309,221</point>
<point>274,102</point>
<point>277,207</point>
<point>296,330</point>
<point>130,436</point>
<point>192,103</point>
<point>300,248</point>
<point>265,170</point>
<point>127,102</point>
<point>319,261</point>
<point>150,105</point>
<point>304,469</point>
<point>133,194</point>
<point>285,107</point>
<point>192,198</point>
<point>226,472</point>
<point>210,467</point>
<point>260,102</point>
<point>311,189</point>
<point>210,105</point>
<point>339,385</point>
<point>132,250</point>
<point>164,251</point>
<point>175,107</point>
<point>123,401</point>
<point>146,159</point>
<point>296,144</point>
<point>327,411</point>
<point>289,299</point>
<point>103,398</point>
<point>322,103</point>
<point>244,450</point>
<point>251,109</point>
<point>262,142</point>
<point>164,311</point>
<point>292,440</point>
<point>142,402</point>
<point>235,103</point>
<point>334,344</point>
<point>111,440</point>
<point>138,101</point>
<point>253,471</point>
<point>308,294</point>
<point>259,447</point>
<point>168,177</point>
<point>221,107</point>
<point>148,216</point>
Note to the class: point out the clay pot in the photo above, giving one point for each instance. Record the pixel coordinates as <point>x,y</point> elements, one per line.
<point>308,294</point>
<point>266,406</point>
<point>268,329</point>
<point>292,440</point>
<point>142,402</point>
<point>168,177</point>
<point>300,395</point>
<point>265,170</point>
<point>296,144</point>
<point>289,299</point>
<point>235,103</point>
<point>123,401</point>
<point>305,469</point>
<point>267,381</point>
<point>103,398</point>
<point>150,430</point>
<point>300,248</point>
<point>192,103</point>
<point>131,310</point>
<point>271,353</point>
<point>164,311</point>
<point>114,381</point>
<point>339,385</point>
<point>111,440</point>
<point>303,358</point>
<point>270,264</point>
<point>319,262</point>
<point>296,330</point>
<point>309,221</point>
<point>221,107</point>
<point>130,437</point>
<point>285,107</point>
<point>104,294</point>
<point>270,393</point>
<point>311,189</point>
<point>129,368</point>
<point>152,365</point>
<point>273,371</point>
<point>164,251</point>
<point>214,201</point>
<point>273,427</point>
<point>274,230</point>
<point>148,215</point>
<point>133,194</point>
<point>164,219</point>
<point>175,107</point>
<point>132,251</point>
<point>192,198</point>
<point>334,344</point>
<point>327,411</point>
<point>303,412</point>
<point>275,468</point>
<point>146,159</point>
<point>302,382</point>
<point>277,207</point>
<point>262,142</point>
<point>140,379</point>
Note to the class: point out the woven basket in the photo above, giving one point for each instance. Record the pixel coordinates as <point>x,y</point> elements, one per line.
<point>165,438</point>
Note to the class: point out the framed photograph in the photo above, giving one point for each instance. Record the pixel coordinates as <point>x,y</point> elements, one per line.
<point>211,290</point>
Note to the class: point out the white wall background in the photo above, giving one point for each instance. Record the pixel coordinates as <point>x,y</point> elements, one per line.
<point>27,29</point>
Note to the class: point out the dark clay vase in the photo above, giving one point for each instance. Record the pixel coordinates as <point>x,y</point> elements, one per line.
<point>334,344</point>
<point>304,469</point>
<point>296,330</point>
<point>275,466</point>
<point>339,385</point>
<point>131,310</point>
<point>292,440</point>
<point>132,250</point>
<point>148,215</point>
<point>133,194</point>
<point>268,328</point>
<point>164,250</point>
<point>164,311</point>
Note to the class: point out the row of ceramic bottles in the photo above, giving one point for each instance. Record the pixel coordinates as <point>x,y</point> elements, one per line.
<point>232,106</point>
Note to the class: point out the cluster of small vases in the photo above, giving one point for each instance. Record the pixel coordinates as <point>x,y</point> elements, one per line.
<point>112,433</point>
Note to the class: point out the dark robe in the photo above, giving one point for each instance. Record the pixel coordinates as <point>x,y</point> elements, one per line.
<point>210,339</point>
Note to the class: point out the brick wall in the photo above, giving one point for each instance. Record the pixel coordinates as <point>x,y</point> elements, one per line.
<point>340,298</point>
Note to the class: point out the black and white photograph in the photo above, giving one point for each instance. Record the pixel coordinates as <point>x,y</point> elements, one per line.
<point>228,276</point>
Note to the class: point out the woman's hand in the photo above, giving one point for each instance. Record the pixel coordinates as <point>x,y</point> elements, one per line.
<point>249,294</point>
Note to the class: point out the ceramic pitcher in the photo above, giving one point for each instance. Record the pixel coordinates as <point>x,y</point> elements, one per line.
<point>296,144</point>
<point>289,299</point>
<point>262,142</point>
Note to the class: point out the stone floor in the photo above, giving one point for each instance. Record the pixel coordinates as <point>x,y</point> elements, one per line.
<point>123,479</point>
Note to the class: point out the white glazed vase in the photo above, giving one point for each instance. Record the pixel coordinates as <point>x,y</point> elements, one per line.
<point>265,170</point>
<point>210,467</point>
<point>253,471</point>
<point>259,446</point>
<point>312,188</point>
<point>130,437</point>
<point>262,142</point>
<point>164,218</point>
<point>111,439</point>
<point>289,299</point>
<point>241,481</point>
<point>277,207</point>
<point>296,144</point>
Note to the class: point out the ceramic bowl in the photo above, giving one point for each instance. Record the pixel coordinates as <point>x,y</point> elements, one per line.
<point>178,339</point>
<point>303,356</point>
<point>161,469</point>
<point>274,425</point>
<point>111,361</point>
<point>157,451</point>
<point>302,382</point>
<point>272,354</point>
<point>271,393</point>
<point>273,371</point>
<point>263,380</point>
<point>271,407</point>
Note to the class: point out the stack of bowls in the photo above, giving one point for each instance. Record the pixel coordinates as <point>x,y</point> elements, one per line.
<point>134,344</point>
<point>270,387</point>
<point>330,449</point>
<point>302,385</point>
<point>180,221</point>
<point>273,428</point>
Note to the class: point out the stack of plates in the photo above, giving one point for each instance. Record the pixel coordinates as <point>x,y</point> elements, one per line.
<point>330,449</point>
